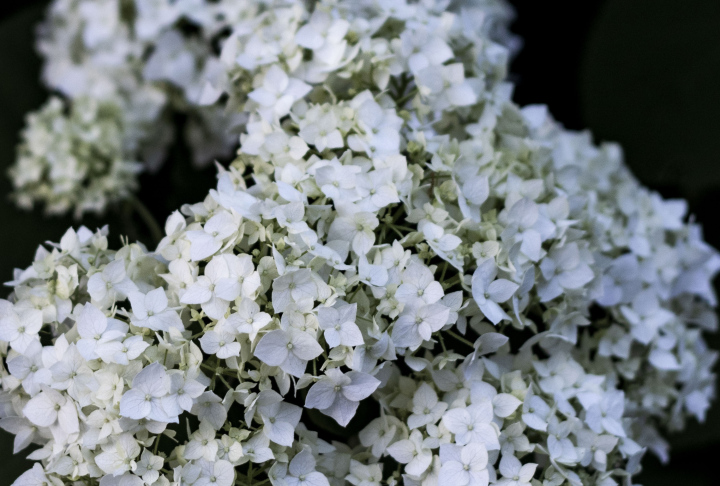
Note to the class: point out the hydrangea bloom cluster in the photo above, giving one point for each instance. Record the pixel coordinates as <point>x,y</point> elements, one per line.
<point>152,60</point>
<point>465,292</point>
<point>74,161</point>
<point>144,60</point>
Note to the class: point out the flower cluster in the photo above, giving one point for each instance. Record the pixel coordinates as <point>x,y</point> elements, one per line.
<point>399,257</point>
<point>144,60</point>
<point>74,158</point>
<point>154,59</point>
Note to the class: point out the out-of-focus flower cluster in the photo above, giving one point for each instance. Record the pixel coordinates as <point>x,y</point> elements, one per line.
<point>469,293</point>
<point>145,60</point>
<point>74,160</point>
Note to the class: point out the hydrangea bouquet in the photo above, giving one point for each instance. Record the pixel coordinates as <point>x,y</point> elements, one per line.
<point>401,278</point>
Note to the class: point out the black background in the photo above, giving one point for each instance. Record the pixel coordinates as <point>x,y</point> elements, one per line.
<point>645,73</point>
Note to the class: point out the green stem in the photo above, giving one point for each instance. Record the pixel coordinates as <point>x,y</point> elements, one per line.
<point>147,217</point>
<point>218,371</point>
<point>451,282</point>
<point>406,98</point>
<point>460,338</point>
<point>406,228</point>
<point>397,215</point>
<point>78,263</point>
<point>157,443</point>
<point>442,275</point>
<point>442,342</point>
<point>351,296</point>
<point>397,232</point>
<point>225,382</point>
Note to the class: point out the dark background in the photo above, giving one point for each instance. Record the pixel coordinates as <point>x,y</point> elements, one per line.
<point>645,73</point>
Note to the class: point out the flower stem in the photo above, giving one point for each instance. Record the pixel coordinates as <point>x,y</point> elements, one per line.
<point>80,265</point>
<point>460,338</point>
<point>157,443</point>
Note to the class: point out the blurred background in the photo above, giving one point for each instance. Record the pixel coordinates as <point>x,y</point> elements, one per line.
<point>645,73</point>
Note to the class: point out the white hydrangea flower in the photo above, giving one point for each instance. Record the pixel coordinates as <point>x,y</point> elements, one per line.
<point>74,159</point>
<point>464,465</point>
<point>364,257</point>
<point>338,395</point>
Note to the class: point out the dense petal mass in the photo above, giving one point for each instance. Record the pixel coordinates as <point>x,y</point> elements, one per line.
<point>455,281</point>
